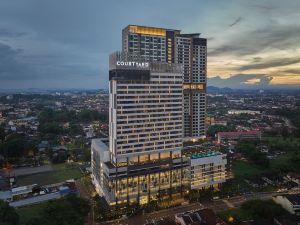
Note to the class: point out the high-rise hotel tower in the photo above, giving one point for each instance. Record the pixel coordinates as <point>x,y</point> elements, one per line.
<point>142,160</point>
<point>156,102</point>
<point>189,50</point>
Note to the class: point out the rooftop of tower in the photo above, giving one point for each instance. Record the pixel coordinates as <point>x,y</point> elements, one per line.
<point>158,31</point>
<point>148,30</point>
<point>191,35</point>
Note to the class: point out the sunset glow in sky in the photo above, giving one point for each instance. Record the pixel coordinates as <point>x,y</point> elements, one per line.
<point>66,43</point>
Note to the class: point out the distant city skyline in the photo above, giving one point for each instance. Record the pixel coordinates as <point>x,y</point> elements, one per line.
<point>65,44</point>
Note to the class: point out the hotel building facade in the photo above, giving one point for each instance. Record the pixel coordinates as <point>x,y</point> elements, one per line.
<point>156,102</point>
<point>142,160</point>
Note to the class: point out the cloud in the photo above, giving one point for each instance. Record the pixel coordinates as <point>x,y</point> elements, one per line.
<point>10,66</point>
<point>263,7</point>
<point>238,20</point>
<point>8,33</point>
<point>18,70</point>
<point>293,71</point>
<point>257,59</point>
<point>241,81</point>
<point>273,36</point>
<point>68,43</point>
<point>271,64</point>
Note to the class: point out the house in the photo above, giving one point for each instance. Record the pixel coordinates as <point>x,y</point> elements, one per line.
<point>291,203</point>
<point>78,153</point>
<point>294,177</point>
<point>256,182</point>
<point>273,179</point>
<point>199,217</point>
<point>59,148</point>
<point>43,146</point>
<point>162,221</point>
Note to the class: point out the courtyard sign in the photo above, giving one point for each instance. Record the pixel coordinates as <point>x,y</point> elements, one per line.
<point>133,64</point>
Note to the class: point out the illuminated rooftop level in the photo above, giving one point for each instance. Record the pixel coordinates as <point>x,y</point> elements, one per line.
<point>147,30</point>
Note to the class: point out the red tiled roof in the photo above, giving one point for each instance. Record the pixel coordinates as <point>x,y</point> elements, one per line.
<point>240,132</point>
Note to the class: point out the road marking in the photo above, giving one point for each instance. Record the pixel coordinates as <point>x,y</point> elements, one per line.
<point>229,204</point>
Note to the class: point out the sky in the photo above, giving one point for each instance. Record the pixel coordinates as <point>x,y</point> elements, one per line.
<point>66,43</point>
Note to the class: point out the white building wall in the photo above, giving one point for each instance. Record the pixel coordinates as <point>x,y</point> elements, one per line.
<point>285,203</point>
<point>208,171</point>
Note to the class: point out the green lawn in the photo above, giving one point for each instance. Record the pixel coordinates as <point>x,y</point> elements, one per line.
<point>29,212</point>
<point>243,169</point>
<point>60,173</point>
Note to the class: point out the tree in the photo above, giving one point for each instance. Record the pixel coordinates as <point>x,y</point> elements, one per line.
<point>200,195</point>
<point>50,128</point>
<point>2,133</point>
<point>80,205</point>
<point>101,209</point>
<point>245,147</point>
<point>87,155</point>
<point>263,210</point>
<point>91,115</point>
<point>293,115</point>
<point>75,129</point>
<point>62,116</point>
<point>60,156</point>
<point>35,221</point>
<point>259,158</point>
<point>254,155</point>
<point>214,129</point>
<point>8,215</point>
<point>14,146</point>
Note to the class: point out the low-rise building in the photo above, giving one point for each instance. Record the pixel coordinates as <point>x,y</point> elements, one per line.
<point>162,221</point>
<point>135,184</point>
<point>235,136</point>
<point>203,170</point>
<point>208,169</point>
<point>291,203</point>
<point>221,122</point>
<point>100,159</point>
<point>294,177</point>
<point>22,192</point>
<point>238,112</point>
<point>199,217</point>
<point>210,121</point>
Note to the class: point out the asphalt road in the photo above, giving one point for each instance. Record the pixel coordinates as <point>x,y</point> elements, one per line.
<point>23,171</point>
<point>217,206</point>
<point>141,219</point>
